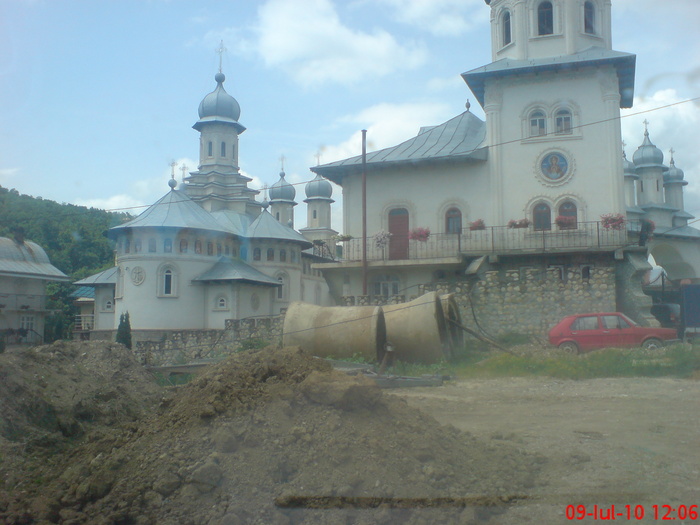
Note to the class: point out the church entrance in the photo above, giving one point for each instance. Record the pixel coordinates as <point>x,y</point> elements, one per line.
<point>398,228</point>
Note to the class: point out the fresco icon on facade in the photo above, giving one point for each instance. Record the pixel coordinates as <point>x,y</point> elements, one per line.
<point>554,166</point>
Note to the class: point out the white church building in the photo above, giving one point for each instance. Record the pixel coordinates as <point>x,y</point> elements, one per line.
<point>530,215</point>
<point>534,213</point>
<point>208,251</point>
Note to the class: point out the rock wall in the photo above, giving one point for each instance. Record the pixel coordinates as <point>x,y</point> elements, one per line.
<point>185,346</point>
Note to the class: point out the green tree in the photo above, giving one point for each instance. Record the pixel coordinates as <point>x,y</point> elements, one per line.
<point>124,330</point>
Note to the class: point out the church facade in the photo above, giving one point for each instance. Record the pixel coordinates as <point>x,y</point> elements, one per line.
<point>534,207</point>
<point>208,251</point>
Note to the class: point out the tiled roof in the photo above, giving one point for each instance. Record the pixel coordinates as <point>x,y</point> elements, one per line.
<point>593,56</point>
<point>174,210</point>
<point>105,277</point>
<point>27,259</point>
<point>265,226</point>
<point>459,138</point>
<point>227,269</point>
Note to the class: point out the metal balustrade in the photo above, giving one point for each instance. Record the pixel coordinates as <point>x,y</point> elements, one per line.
<point>494,240</point>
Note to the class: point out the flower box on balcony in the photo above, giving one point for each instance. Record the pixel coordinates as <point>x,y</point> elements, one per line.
<point>613,221</point>
<point>522,223</point>
<point>565,222</point>
<point>478,224</point>
<point>419,234</point>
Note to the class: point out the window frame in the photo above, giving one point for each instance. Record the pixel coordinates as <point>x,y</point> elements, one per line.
<point>545,18</point>
<point>452,215</point>
<point>507,29</point>
<point>538,216</point>
<point>540,116</point>
<point>589,18</point>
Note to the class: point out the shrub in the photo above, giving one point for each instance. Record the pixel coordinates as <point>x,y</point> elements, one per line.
<point>124,330</point>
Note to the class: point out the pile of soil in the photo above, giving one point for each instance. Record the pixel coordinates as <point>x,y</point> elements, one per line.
<point>272,436</point>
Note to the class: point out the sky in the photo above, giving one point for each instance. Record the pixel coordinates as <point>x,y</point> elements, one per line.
<point>97,97</point>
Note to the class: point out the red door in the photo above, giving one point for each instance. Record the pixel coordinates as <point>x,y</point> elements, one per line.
<point>398,228</point>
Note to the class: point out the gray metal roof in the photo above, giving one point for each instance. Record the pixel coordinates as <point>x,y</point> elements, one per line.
<point>105,277</point>
<point>265,226</point>
<point>625,64</point>
<point>227,269</point>
<point>233,221</point>
<point>27,259</point>
<point>460,138</point>
<point>174,210</point>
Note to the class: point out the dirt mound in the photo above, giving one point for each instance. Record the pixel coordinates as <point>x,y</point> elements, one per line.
<point>274,436</point>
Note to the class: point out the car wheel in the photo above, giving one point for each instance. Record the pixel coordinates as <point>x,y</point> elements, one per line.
<point>569,347</point>
<point>652,344</point>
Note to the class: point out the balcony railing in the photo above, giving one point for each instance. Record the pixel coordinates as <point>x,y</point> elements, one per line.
<point>494,240</point>
<point>84,323</point>
<point>28,302</point>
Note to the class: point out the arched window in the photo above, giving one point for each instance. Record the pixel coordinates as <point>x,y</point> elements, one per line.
<point>221,303</point>
<point>219,249</point>
<point>568,216</point>
<point>127,246</point>
<point>168,245</point>
<point>210,149</point>
<point>542,217</point>
<point>197,246</point>
<point>506,28</point>
<point>314,214</point>
<point>270,254</point>
<point>151,245</point>
<point>545,18</point>
<point>223,149</point>
<point>281,290</point>
<point>137,246</point>
<point>108,305</point>
<point>210,248</point>
<point>183,246</point>
<point>167,281</point>
<point>538,123</point>
<point>589,18</point>
<point>562,121</point>
<point>277,215</point>
<point>293,255</point>
<point>283,255</point>
<point>453,221</point>
<point>256,254</point>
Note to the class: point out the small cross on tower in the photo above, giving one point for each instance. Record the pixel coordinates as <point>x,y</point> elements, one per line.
<point>220,51</point>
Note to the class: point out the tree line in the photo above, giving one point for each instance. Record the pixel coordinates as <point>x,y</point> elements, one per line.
<point>73,238</point>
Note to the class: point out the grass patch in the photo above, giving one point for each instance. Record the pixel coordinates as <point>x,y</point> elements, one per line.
<point>675,361</point>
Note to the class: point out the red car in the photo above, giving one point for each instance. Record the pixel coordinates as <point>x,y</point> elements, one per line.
<point>584,332</point>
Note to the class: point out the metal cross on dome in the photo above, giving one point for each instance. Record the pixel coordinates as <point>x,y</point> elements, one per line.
<point>220,51</point>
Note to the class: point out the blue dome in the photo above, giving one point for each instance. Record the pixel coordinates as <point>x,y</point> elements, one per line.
<point>282,190</point>
<point>319,187</point>
<point>218,103</point>
<point>673,174</point>
<point>648,155</point>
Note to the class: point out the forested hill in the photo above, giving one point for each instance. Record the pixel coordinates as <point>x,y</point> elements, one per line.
<point>73,236</point>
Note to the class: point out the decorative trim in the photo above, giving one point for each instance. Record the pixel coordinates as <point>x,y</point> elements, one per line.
<point>138,275</point>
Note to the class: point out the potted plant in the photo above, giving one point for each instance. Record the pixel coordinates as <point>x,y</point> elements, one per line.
<point>522,223</point>
<point>381,238</point>
<point>613,221</point>
<point>565,222</point>
<point>478,224</point>
<point>419,234</point>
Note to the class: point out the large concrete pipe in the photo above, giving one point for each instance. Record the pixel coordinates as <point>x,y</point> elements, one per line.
<point>453,320</point>
<point>336,331</point>
<point>417,329</point>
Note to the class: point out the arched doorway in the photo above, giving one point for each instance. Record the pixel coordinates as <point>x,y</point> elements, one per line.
<point>398,228</point>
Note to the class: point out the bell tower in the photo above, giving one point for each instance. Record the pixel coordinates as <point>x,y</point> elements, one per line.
<point>552,99</point>
<point>526,29</point>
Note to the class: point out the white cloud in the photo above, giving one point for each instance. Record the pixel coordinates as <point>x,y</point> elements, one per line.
<point>674,127</point>
<point>387,125</point>
<point>121,202</point>
<point>308,40</point>
<point>6,174</point>
<point>441,17</point>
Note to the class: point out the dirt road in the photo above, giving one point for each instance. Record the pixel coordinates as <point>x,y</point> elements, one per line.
<point>632,443</point>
